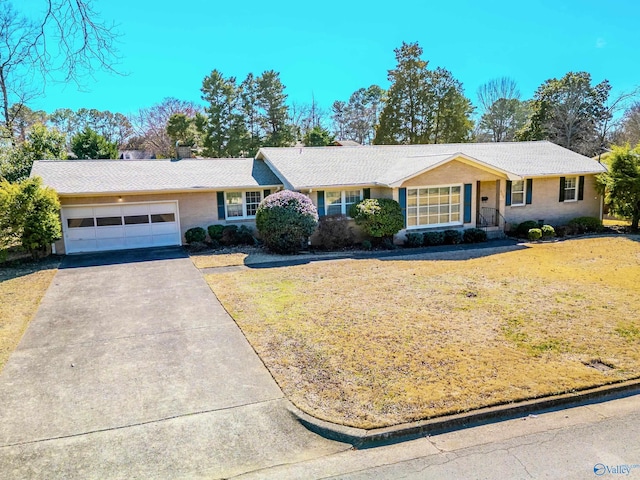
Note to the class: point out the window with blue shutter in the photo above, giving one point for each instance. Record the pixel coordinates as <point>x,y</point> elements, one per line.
<point>220,199</point>
<point>468,189</point>
<point>320,194</point>
<point>402,200</point>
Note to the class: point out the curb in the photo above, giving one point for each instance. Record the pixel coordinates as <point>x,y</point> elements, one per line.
<point>361,438</point>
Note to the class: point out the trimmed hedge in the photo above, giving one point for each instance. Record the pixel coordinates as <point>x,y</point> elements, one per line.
<point>414,239</point>
<point>522,230</point>
<point>534,234</point>
<point>548,231</point>
<point>433,238</point>
<point>452,237</point>
<point>474,235</point>
<point>195,235</point>
<point>378,217</point>
<point>285,220</point>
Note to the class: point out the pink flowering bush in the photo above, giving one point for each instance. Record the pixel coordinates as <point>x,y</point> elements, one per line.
<point>286,220</point>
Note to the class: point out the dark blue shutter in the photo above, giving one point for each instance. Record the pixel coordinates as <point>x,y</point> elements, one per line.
<point>321,203</point>
<point>402,200</point>
<point>508,202</point>
<point>529,190</point>
<point>266,193</point>
<point>366,193</point>
<point>220,196</point>
<point>467,202</point>
<point>581,188</point>
<point>562,184</point>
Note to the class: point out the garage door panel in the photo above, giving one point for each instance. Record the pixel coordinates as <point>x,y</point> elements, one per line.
<point>108,211</point>
<point>81,233</point>
<point>137,230</point>
<point>112,227</point>
<point>162,207</point>
<point>109,232</point>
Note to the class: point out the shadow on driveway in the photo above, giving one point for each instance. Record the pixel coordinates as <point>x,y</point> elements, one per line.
<point>119,257</point>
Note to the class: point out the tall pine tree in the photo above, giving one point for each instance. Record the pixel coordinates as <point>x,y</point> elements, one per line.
<point>423,106</point>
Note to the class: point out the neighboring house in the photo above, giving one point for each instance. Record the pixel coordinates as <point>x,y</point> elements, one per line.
<point>109,204</point>
<point>136,155</point>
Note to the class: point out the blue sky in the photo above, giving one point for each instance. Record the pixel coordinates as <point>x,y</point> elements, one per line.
<point>329,49</point>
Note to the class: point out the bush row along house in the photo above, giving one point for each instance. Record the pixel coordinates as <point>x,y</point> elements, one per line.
<point>118,204</point>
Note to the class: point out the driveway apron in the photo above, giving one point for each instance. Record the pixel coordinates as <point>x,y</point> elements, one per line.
<point>132,369</point>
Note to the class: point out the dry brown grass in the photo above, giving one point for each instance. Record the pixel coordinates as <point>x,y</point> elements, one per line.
<point>370,343</point>
<point>21,289</point>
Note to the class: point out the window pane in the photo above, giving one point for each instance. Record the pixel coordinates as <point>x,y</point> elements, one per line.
<point>411,221</point>
<point>334,209</point>
<point>517,198</point>
<point>412,192</point>
<point>455,198</point>
<point>253,200</point>
<point>570,182</point>
<point>455,190</point>
<point>352,196</point>
<point>433,191</point>
<point>570,194</point>
<point>136,219</point>
<point>234,210</point>
<point>517,186</point>
<point>444,218</point>
<point>80,222</point>
<point>108,221</point>
<point>234,204</point>
<point>455,216</point>
<point>163,217</point>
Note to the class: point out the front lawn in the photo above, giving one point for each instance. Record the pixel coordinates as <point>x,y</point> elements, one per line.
<point>22,286</point>
<point>371,343</point>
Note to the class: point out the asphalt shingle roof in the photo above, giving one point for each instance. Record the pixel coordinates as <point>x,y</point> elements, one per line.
<point>389,164</point>
<point>112,176</point>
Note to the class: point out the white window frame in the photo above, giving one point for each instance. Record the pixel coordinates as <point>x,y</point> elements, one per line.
<point>438,225</point>
<point>344,207</point>
<point>523,191</point>
<point>243,194</point>
<point>574,188</point>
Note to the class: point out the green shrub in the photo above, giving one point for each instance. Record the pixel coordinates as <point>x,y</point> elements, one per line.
<point>29,214</point>
<point>414,239</point>
<point>245,236</point>
<point>548,231</point>
<point>452,237</point>
<point>195,235</point>
<point>387,244</point>
<point>366,244</point>
<point>562,231</point>
<point>586,224</point>
<point>534,234</point>
<point>378,217</point>
<point>474,235</point>
<point>215,232</point>
<point>334,232</point>
<point>433,238</point>
<point>285,220</point>
<point>524,227</point>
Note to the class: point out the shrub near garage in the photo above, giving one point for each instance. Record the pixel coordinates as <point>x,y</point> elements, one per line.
<point>286,220</point>
<point>195,235</point>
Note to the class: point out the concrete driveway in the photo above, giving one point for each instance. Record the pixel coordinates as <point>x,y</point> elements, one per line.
<point>132,369</point>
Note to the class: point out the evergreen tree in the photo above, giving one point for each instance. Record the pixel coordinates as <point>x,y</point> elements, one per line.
<point>274,113</point>
<point>423,106</point>
<point>222,127</point>
<point>89,144</point>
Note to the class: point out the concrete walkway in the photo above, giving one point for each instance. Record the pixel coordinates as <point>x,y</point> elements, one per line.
<point>132,369</point>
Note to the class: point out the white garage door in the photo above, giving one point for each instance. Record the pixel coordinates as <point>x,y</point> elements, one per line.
<point>94,228</point>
